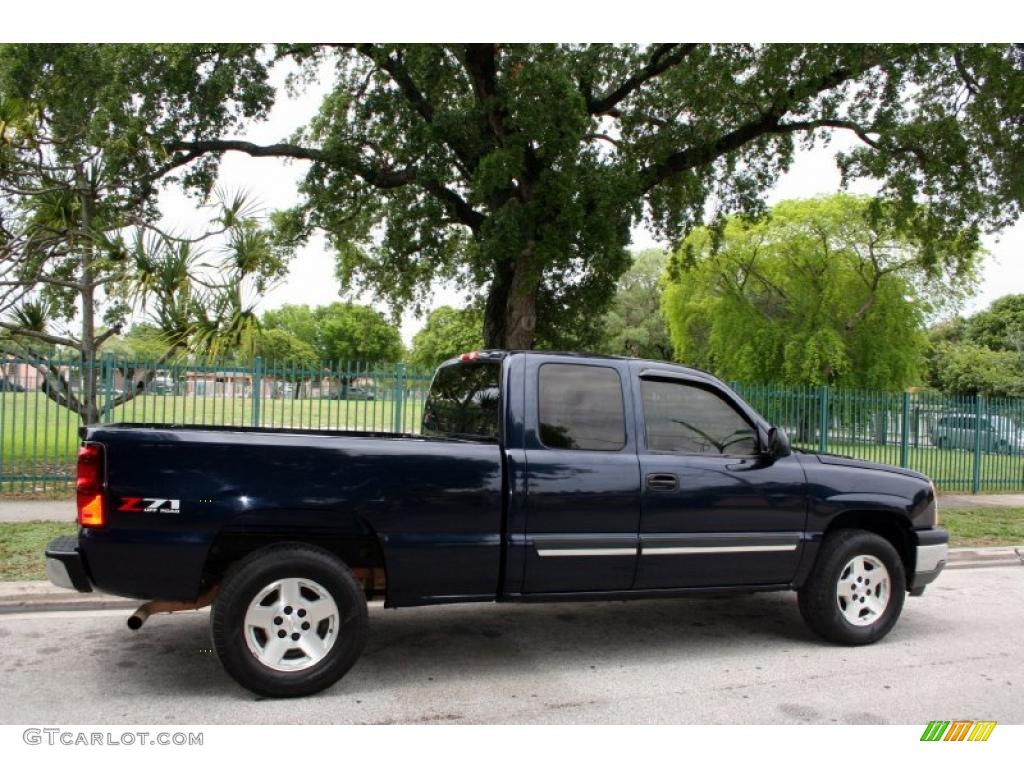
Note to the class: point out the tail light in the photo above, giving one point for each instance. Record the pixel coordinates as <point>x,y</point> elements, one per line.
<point>89,485</point>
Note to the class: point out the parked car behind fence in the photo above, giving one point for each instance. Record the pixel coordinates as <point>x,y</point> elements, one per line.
<point>994,434</point>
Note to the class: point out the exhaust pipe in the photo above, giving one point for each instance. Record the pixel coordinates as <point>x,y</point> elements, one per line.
<point>144,611</point>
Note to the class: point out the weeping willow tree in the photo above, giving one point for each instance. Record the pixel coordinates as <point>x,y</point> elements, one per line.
<point>823,291</point>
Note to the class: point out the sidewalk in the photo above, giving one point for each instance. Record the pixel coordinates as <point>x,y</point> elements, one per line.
<point>16,511</point>
<point>961,500</point>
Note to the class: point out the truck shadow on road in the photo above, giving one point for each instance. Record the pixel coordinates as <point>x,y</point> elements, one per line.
<point>413,647</point>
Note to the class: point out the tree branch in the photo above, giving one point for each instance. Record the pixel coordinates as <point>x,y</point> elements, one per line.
<point>41,336</point>
<point>766,123</point>
<point>481,62</point>
<point>113,331</point>
<point>133,392</point>
<point>217,146</point>
<point>383,179</point>
<point>664,57</point>
<point>395,68</point>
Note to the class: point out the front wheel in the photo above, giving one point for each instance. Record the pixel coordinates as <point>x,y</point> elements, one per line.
<point>289,621</point>
<point>856,589</point>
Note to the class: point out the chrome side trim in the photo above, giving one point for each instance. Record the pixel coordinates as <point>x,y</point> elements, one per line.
<point>592,552</point>
<point>929,557</point>
<point>716,550</point>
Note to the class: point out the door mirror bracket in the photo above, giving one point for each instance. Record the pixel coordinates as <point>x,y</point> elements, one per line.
<point>776,443</point>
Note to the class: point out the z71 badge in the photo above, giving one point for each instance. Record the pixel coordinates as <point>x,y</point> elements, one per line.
<point>139,504</point>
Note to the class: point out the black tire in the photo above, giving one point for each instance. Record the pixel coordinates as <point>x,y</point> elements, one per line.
<point>252,576</point>
<point>819,604</point>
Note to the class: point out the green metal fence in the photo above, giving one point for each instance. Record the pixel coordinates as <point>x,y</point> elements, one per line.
<point>971,444</point>
<point>39,438</point>
<point>965,444</point>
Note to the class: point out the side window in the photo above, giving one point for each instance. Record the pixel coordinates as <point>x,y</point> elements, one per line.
<point>683,418</point>
<point>581,407</point>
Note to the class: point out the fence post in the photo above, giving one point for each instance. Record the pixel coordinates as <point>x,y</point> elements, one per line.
<point>257,389</point>
<point>823,425</point>
<point>905,430</point>
<point>107,377</point>
<point>979,405</point>
<point>398,399</point>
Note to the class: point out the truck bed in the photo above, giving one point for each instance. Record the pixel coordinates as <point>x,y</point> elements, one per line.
<point>418,498</point>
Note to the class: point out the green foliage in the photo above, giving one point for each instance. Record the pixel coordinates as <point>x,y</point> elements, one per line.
<point>447,333</point>
<point>982,354</point>
<point>966,368</point>
<point>1001,326</point>
<point>339,332</point>
<point>278,347</point>
<point>144,342</point>
<point>634,325</point>
<point>520,168</point>
<point>822,291</point>
<point>130,100</point>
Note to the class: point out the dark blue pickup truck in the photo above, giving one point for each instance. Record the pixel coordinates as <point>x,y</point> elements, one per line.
<point>538,476</point>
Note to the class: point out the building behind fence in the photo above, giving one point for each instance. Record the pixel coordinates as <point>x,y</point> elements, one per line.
<point>964,443</point>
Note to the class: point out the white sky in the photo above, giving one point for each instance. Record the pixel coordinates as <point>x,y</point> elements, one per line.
<point>311,279</point>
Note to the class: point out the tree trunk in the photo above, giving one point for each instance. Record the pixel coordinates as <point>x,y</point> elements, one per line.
<point>90,408</point>
<point>518,320</point>
<point>495,305</point>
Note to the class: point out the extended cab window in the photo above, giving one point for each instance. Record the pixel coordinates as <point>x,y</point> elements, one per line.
<point>581,407</point>
<point>683,418</point>
<point>464,402</point>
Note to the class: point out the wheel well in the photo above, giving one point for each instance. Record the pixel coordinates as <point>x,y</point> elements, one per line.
<point>891,527</point>
<point>361,552</point>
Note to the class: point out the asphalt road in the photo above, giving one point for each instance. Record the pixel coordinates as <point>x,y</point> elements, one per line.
<point>956,653</point>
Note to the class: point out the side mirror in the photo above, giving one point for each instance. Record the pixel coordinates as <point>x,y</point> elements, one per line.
<point>777,443</point>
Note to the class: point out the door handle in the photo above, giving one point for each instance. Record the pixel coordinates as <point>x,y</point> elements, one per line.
<point>662,482</point>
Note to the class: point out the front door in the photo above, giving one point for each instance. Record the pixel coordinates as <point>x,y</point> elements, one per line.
<point>716,511</point>
<point>582,476</point>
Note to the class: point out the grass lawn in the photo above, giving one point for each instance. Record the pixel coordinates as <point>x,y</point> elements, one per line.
<point>22,545</point>
<point>983,526</point>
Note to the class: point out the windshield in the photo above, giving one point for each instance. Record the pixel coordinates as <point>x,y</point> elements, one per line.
<point>464,402</point>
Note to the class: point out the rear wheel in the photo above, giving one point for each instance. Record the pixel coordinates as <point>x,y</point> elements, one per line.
<point>289,621</point>
<point>856,589</point>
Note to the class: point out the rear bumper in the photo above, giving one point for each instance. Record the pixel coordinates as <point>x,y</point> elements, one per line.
<point>64,565</point>
<point>932,555</point>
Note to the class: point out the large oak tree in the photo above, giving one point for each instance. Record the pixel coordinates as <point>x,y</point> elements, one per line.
<point>519,170</point>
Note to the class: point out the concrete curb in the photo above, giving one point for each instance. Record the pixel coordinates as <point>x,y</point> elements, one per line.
<point>31,596</point>
<point>985,557</point>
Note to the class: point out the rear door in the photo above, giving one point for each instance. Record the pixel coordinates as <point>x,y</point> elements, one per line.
<point>716,510</point>
<point>582,476</point>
